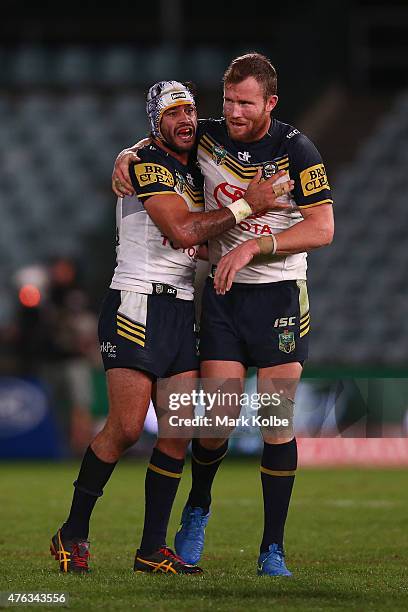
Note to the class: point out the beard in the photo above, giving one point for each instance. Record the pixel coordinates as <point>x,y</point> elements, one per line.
<point>256,129</point>
<point>170,141</point>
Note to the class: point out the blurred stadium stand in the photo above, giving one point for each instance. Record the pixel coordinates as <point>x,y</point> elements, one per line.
<point>72,95</point>
<point>73,80</point>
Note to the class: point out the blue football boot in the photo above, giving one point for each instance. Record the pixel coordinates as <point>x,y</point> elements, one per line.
<point>189,540</point>
<point>272,562</point>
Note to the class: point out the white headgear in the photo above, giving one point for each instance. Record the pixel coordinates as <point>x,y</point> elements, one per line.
<point>164,95</point>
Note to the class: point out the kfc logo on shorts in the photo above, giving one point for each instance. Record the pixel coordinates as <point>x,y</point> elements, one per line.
<point>225,193</point>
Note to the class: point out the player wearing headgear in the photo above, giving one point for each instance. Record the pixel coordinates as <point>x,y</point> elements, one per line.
<point>256,309</point>
<point>146,326</point>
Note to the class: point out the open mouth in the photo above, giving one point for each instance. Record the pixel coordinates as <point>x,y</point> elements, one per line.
<point>185,133</point>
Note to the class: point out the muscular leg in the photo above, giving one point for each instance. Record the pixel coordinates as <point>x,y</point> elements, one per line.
<point>129,395</point>
<point>207,453</point>
<point>163,477</point>
<point>279,458</point>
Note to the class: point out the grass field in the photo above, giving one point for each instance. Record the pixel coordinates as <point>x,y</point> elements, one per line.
<point>346,542</point>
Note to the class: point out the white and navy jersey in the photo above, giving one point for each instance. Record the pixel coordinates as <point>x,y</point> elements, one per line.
<point>144,255</point>
<point>228,166</point>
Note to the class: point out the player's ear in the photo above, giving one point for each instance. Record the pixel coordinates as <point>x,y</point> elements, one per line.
<point>271,102</point>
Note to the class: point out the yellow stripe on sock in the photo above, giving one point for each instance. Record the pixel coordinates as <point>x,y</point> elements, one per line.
<point>265,470</point>
<point>163,472</point>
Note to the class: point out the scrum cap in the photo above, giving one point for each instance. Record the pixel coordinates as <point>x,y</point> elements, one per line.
<point>164,95</point>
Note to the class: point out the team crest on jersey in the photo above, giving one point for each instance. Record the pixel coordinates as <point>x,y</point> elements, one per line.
<point>218,154</point>
<point>190,180</point>
<point>287,341</point>
<point>180,182</point>
<point>269,169</point>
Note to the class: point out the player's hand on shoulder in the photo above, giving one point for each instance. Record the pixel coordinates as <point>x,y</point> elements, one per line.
<point>263,194</point>
<point>231,263</point>
<point>121,181</point>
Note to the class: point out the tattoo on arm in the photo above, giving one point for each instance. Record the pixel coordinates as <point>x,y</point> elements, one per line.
<point>209,224</point>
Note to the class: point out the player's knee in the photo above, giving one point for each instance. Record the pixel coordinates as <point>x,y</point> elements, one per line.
<point>212,443</point>
<point>173,448</point>
<point>276,421</point>
<point>129,433</point>
<point>122,434</point>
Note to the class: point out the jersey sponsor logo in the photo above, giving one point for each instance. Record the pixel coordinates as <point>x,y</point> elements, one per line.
<point>190,251</point>
<point>109,348</point>
<point>227,192</point>
<point>148,174</point>
<point>244,156</point>
<point>218,154</point>
<point>259,229</point>
<point>287,341</point>
<point>314,179</point>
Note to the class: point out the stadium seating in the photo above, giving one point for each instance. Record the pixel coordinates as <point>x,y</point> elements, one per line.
<point>358,294</point>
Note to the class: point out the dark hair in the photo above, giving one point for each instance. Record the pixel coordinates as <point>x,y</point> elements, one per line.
<point>253,65</point>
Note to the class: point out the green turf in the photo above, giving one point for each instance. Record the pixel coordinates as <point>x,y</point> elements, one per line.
<point>346,541</point>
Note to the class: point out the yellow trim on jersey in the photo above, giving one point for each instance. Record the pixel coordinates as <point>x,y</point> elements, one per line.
<point>163,472</point>
<point>207,143</point>
<point>195,194</point>
<point>146,195</point>
<point>315,204</point>
<point>229,169</point>
<point>265,470</point>
<point>243,175</point>
<point>136,340</point>
<point>130,323</point>
<point>133,331</point>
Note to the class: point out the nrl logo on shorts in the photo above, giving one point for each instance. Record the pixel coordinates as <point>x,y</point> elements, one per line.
<point>269,170</point>
<point>180,182</point>
<point>287,341</point>
<point>218,154</point>
<point>159,289</point>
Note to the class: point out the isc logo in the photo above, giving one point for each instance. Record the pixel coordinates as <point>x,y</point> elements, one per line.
<point>284,322</point>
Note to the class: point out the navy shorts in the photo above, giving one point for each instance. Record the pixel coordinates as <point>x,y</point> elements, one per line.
<point>152,333</point>
<point>259,325</point>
